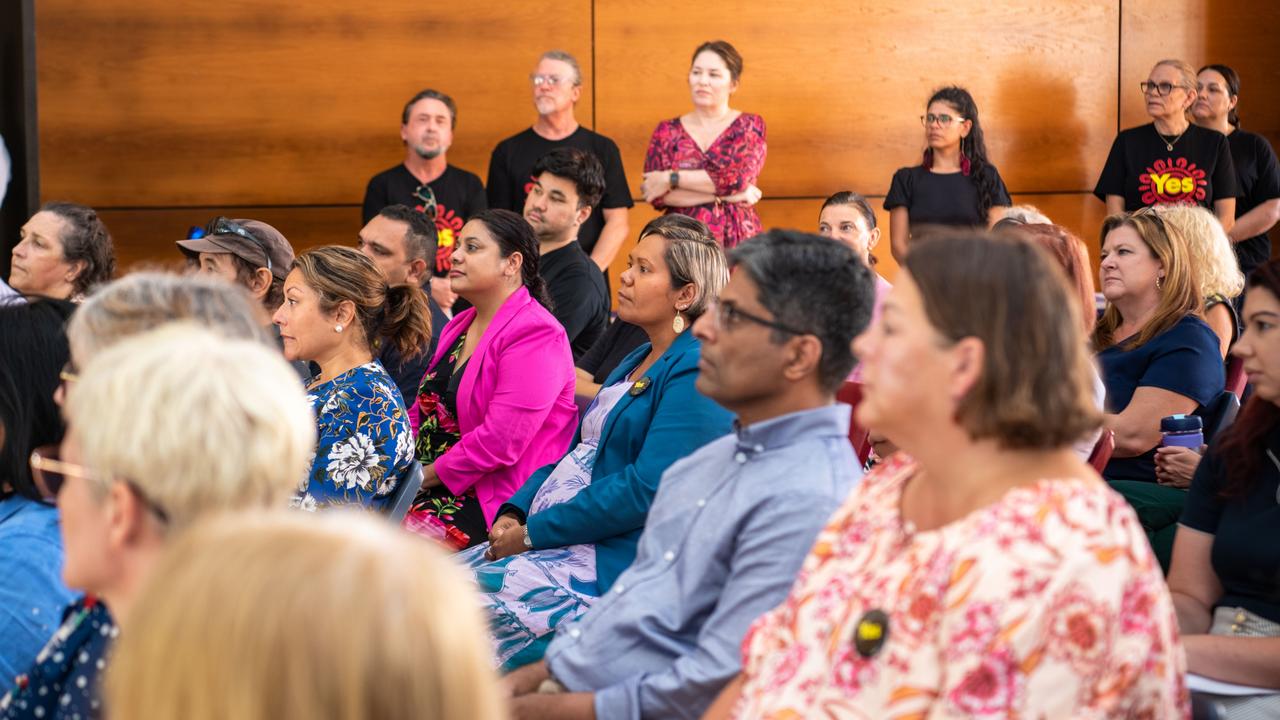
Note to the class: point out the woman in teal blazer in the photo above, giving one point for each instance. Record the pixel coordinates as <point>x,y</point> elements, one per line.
<point>572,528</point>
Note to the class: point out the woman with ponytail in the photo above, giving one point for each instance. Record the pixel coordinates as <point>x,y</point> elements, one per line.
<point>338,311</point>
<point>955,185</point>
<point>497,400</point>
<point>1225,576</point>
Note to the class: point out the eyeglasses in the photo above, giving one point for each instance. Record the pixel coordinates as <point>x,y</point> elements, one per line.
<point>429,206</point>
<point>548,80</point>
<point>941,120</point>
<point>223,226</point>
<point>728,316</point>
<point>1161,89</point>
<point>49,473</point>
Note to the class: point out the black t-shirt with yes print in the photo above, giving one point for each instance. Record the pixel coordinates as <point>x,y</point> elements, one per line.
<point>459,195</point>
<point>1144,171</point>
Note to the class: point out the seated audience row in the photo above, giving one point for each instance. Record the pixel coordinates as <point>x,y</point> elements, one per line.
<point>133,469</point>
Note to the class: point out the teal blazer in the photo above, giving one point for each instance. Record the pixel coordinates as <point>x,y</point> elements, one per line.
<point>644,434</point>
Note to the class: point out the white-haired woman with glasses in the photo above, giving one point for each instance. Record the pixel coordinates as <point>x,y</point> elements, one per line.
<point>1169,160</point>
<point>162,429</point>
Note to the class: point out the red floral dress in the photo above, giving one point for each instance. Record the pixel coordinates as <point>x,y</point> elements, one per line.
<point>1047,603</point>
<point>733,160</point>
<point>439,431</point>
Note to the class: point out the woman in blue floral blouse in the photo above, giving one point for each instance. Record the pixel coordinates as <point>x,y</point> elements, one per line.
<point>337,310</point>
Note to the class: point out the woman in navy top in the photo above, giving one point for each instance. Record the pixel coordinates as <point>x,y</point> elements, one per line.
<point>1225,578</point>
<point>1157,357</point>
<point>955,184</point>
<point>1257,171</point>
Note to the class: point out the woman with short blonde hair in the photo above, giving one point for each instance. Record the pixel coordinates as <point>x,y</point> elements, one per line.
<point>1213,262</point>
<point>162,428</point>
<point>301,617</point>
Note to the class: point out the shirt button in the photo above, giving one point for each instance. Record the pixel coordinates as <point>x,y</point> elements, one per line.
<point>619,589</point>
<point>668,556</point>
<point>741,457</point>
<point>702,503</point>
<point>574,632</point>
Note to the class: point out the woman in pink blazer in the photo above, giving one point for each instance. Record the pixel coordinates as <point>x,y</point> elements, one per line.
<point>497,400</point>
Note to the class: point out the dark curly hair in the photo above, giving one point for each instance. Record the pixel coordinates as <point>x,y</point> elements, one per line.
<point>974,146</point>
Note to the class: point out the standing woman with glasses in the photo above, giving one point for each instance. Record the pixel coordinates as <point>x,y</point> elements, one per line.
<point>1169,160</point>
<point>338,310</point>
<point>706,163</point>
<point>955,185</point>
<point>1257,171</point>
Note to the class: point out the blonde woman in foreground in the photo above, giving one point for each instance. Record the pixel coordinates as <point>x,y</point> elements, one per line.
<point>305,617</point>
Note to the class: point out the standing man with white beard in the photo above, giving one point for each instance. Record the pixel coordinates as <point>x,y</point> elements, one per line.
<point>426,182</point>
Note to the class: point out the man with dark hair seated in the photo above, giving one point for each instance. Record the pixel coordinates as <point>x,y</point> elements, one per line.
<point>567,184</point>
<point>732,522</point>
<point>402,243</point>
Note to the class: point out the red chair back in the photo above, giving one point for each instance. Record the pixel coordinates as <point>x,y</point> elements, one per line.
<point>851,394</point>
<point>1236,379</point>
<point>1102,450</point>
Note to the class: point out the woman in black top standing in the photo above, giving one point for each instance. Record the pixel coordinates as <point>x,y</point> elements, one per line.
<point>1257,172</point>
<point>956,184</point>
<point>1169,160</point>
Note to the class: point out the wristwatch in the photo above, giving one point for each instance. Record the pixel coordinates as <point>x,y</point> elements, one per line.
<point>527,542</point>
<point>675,179</point>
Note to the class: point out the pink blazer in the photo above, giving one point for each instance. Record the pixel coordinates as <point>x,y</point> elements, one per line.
<point>515,401</point>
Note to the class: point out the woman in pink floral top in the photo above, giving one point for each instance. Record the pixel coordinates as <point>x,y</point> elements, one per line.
<point>985,571</point>
<point>706,163</point>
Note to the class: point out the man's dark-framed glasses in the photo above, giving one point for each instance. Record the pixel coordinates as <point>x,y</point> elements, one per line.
<point>728,315</point>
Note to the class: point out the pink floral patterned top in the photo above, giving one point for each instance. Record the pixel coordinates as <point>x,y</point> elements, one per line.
<point>1046,604</point>
<point>733,160</point>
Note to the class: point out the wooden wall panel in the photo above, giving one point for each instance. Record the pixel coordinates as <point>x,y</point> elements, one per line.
<point>151,102</point>
<point>841,85</point>
<point>146,236</point>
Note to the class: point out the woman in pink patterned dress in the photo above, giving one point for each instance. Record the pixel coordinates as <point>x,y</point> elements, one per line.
<point>706,163</point>
<point>985,571</point>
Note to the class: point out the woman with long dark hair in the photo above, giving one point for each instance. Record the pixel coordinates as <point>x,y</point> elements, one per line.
<point>1225,576</point>
<point>1257,171</point>
<point>497,400</point>
<point>955,184</point>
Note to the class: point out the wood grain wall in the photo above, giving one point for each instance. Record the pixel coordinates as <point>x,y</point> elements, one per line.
<point>163,114</point>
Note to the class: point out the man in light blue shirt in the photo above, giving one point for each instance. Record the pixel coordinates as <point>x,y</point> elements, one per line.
<point>732,522</point>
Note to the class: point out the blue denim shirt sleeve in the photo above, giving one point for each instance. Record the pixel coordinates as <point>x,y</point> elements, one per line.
<point>768,553</point>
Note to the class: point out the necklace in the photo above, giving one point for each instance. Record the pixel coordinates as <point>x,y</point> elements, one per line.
<point>1169,145</point>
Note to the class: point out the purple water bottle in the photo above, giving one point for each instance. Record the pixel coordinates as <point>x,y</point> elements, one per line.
<point>1182,431</point>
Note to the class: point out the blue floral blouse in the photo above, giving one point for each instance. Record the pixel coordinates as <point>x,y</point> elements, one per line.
<point>63,683</point>
<point>365,444</point>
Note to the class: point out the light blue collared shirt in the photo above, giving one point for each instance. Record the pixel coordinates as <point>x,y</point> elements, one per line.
<point>728,530</point>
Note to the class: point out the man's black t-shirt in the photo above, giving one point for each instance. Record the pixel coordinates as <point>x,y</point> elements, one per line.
<point>613,346</point>
<point>1143,170</point>
<point>1259,181</point>
<point>511,175</point>
<point>459,195</point>
<point>941,198</point>
<point>581,302</point>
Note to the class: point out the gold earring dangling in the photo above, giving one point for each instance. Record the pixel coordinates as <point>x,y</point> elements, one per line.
<point>1157,284</point>
<point>678,323</point>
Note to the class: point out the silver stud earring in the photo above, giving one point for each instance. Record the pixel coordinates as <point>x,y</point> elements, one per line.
<point>337,328</point>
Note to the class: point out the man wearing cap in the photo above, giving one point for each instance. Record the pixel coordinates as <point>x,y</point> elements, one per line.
<point>251,254</point>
